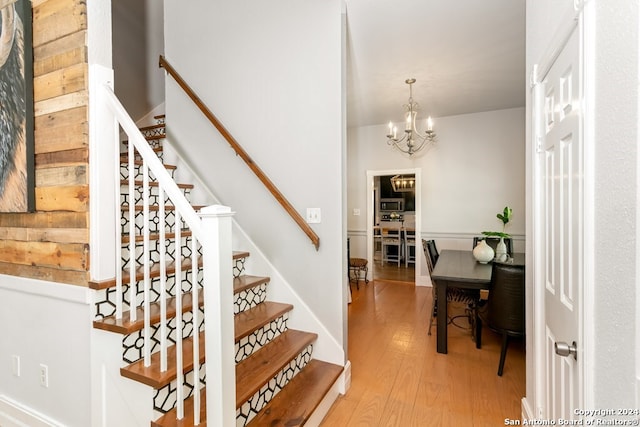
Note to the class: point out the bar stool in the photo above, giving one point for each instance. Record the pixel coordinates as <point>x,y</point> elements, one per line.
<point>409,246</point>
<point>391,239</point>
<point>357,266</point>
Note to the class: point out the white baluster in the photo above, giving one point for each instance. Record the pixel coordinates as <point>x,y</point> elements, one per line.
<point>146,263</point>
<point>196,330</point>
<point>118,228</point>
<point>133,315</point>
<point>163,281</point>
<point>178,288</point>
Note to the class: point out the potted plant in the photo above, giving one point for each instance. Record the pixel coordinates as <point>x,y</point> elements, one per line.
<point>501,248</point>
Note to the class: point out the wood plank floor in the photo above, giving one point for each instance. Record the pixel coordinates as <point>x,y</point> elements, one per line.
<point>391,271</point>
<point>398,378</point>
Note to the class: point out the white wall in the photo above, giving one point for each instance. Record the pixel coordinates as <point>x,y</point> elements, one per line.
<point>473,172</point>
<point>45,323</point>
<point>612,113</point>
<point>272,73</point>
<point>616,136</point>
<point>138,40</point>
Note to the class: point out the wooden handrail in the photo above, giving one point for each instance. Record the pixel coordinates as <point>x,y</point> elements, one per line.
<point>243,154</point>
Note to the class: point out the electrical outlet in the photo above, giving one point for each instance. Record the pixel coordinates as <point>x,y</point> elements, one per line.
<point>313,215</point>
<point>356,212</point>
<point>15,365</point>
<point>44,375</point>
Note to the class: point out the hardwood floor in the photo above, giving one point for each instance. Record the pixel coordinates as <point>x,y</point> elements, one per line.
<point>391,271</point>
<point>398,378</point>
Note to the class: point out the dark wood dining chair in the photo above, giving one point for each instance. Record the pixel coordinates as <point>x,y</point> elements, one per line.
<point>504,310</point>
<point>468,297</point>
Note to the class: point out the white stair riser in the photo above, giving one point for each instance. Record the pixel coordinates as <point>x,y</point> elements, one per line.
<point>131,343</point>
<point>249,409</point>
<point>105,299</point>
<point>137,172</point>
<point>154,222</point>
<point>249,298</point>
<point>154,251</point>
<point>153,195</point>
<point>165,397</point>
<point>260,337</point>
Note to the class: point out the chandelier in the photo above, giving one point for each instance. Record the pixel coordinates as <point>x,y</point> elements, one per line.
<point>402,183</point>
<point>412,141</point>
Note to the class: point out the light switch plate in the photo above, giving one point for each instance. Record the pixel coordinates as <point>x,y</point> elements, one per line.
<point>313,215</point>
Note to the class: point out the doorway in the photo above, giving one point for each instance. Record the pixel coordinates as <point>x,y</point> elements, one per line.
<point>400,211</point>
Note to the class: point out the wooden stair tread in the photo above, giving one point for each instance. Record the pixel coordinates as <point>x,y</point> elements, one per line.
<point>125,156</point>
<point>292,406</point>
<point>256,370</point>
<point>248,321</point>
<point>169,419</point>
<point>150,137</point>
<point>246,281</point>
<point>155,137</point>
<point>185,232</point>
<point>152,376</point>
<point>139,183</point>
<point>152,127</point>
<point>125,326</point>
<point>295,403</point>
<point>240,254</point>
<point>154,271</point>
<point>140,163</point>
<point>154,208</point>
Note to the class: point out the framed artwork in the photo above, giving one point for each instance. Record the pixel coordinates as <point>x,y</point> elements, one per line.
<point>17,182</point>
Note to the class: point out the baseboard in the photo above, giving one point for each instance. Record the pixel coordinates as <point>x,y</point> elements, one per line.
<point>527,413</point>
<point>423,281</point>
<point>325,405</point>
<point>345,378</point>
<point>13,414</point>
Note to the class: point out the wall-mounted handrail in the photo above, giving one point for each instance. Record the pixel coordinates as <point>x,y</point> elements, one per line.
<point>242,153</point>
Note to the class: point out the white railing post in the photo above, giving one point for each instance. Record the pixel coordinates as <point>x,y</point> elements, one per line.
<point>218,303</point>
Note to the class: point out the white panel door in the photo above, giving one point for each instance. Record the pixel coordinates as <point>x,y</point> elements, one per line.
<point>560,180</point>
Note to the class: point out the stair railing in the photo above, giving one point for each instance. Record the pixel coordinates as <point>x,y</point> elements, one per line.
<point>210,232</point>
<point>271,187</point>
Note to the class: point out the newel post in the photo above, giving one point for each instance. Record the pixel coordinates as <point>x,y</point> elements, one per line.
<point>218,318</point>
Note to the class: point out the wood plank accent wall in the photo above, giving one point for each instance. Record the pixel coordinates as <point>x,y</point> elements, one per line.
<point>53,243</point>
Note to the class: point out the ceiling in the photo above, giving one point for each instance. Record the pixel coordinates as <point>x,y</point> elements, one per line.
<point>467,56</point>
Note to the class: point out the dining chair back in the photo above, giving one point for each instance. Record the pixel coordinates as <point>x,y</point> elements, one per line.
<point>504,311</point>
<point>468,297</point>
<point>425,249</point>
<point>433,251</point>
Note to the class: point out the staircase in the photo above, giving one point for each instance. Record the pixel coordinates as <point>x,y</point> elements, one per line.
<point>277,380</point>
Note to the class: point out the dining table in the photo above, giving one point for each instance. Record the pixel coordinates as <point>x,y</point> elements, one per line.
<point>458,268</point>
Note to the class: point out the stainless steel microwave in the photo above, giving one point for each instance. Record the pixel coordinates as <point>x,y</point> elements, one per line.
<point>391,205</point>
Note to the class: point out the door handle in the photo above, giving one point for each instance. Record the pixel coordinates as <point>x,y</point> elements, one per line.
<point>563,349</point>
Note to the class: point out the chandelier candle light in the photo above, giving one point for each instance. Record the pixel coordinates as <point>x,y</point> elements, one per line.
<point>412,141</point>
